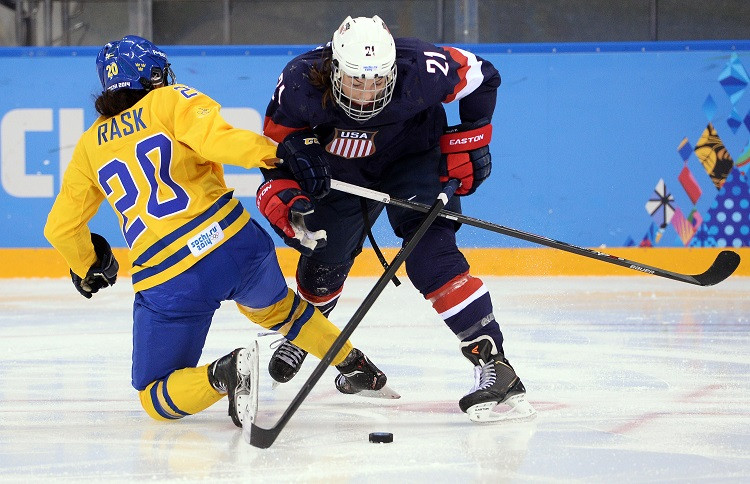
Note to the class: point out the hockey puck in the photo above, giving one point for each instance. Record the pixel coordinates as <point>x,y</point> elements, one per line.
<point>381,437</point>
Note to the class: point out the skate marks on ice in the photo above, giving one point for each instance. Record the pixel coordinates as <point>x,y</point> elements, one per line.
<point>632,380</point>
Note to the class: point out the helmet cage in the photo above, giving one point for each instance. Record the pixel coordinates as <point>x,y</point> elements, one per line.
<point>355,108</point>
<point>363,67</point>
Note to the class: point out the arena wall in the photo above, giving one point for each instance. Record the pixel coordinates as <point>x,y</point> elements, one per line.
<point>637,149</point>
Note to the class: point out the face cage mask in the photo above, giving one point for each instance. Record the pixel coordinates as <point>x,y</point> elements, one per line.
<point>362,112</point>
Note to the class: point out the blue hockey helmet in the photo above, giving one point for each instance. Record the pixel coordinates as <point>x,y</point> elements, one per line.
<point>133,63</point>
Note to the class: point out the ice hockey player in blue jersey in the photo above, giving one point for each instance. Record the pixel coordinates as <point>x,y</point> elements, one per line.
<point>368,110</point>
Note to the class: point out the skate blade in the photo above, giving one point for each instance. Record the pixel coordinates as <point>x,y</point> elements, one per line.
<point>385,392</point>
<point>520,411</point>
<point>246,398</point>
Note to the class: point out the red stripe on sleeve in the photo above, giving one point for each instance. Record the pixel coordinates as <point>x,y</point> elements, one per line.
<point>277,132</point>
<point>464,61</point>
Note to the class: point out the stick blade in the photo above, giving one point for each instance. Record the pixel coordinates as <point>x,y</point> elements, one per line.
<point>724,265</point>
<point>258,436</point>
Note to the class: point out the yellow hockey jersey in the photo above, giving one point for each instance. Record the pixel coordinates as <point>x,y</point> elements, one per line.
<point>158,164</point>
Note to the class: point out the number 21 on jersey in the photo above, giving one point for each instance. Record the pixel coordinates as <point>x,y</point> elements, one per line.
<point>433,63</point>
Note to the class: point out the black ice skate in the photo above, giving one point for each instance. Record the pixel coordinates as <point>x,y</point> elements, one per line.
<point>359,376</point>
<point>286,361</point>
<point>495,382</point>
<point>236,374</point>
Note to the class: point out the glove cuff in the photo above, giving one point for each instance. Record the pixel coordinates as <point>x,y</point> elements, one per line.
<point>273,187</point>
<point>108,265</point>
<point>472,139</point>
<point>296,141</point>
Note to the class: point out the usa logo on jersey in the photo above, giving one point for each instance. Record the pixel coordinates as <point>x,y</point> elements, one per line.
<point>352,144</point>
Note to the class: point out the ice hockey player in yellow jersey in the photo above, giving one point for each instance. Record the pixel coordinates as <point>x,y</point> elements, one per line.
<point>155,155</point>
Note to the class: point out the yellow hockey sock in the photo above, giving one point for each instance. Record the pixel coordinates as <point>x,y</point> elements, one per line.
<point>183,392</point>
<point>301,323</point>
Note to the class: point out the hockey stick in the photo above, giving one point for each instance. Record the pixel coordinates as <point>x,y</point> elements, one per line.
<point>264,438</point>
<point>722,267</point>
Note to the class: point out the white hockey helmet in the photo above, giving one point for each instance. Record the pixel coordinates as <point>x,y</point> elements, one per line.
<point>363,50</point>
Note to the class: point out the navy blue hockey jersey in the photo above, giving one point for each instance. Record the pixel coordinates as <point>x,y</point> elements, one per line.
<point>412,122</point>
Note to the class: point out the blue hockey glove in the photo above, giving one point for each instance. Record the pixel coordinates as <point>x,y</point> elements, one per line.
<point>305,159</point>
<point>466,155</point>
<point>285,205</point>
<point>100,275</point>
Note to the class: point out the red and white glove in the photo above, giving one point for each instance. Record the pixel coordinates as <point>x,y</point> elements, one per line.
<point>285,205</point>
<point>466,155</point>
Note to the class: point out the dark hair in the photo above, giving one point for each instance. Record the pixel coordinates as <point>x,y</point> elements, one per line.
<point>320,76</point>
<point>109,103</point>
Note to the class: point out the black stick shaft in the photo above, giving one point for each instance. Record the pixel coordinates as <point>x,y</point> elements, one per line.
<point>723,266</point>
<point>264,438</point>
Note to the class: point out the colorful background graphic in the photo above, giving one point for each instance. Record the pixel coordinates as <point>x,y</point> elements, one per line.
<point>727,220</point>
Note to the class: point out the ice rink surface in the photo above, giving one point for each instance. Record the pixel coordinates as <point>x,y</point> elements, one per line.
<point>635,379</point>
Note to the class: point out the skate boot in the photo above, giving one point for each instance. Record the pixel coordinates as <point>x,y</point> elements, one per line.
<point>358,373</point>
<point>286,361</point>
<point>495,382</point>
<point>359,376</point>
<point>236,375</point>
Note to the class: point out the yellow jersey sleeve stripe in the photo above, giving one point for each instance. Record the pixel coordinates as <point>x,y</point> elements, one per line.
<point>188,262</point>
<point>168,249</point>
<point>235,220</point>
<point>162,243</point>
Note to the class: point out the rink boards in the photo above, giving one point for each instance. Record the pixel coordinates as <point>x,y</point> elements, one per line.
<point>605,145</point>
<point>45,262</point>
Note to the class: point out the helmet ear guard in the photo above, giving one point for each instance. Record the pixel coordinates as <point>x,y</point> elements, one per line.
<point>159,77</point>
<point>363,50</point>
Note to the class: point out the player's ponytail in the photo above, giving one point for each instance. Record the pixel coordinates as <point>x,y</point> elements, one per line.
<point>110,103</point>
<point>320,76</point>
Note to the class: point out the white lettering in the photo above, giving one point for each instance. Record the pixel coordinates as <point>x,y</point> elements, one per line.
<point>205,239</point>
<point>467,140</point>
<point>13,128</point>
<point>642,269</point>
<point>353,134</point>
<point>263,192</point>
<point>16,123</point>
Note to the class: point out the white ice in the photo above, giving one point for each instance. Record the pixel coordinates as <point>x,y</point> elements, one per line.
<point>635,379</point>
